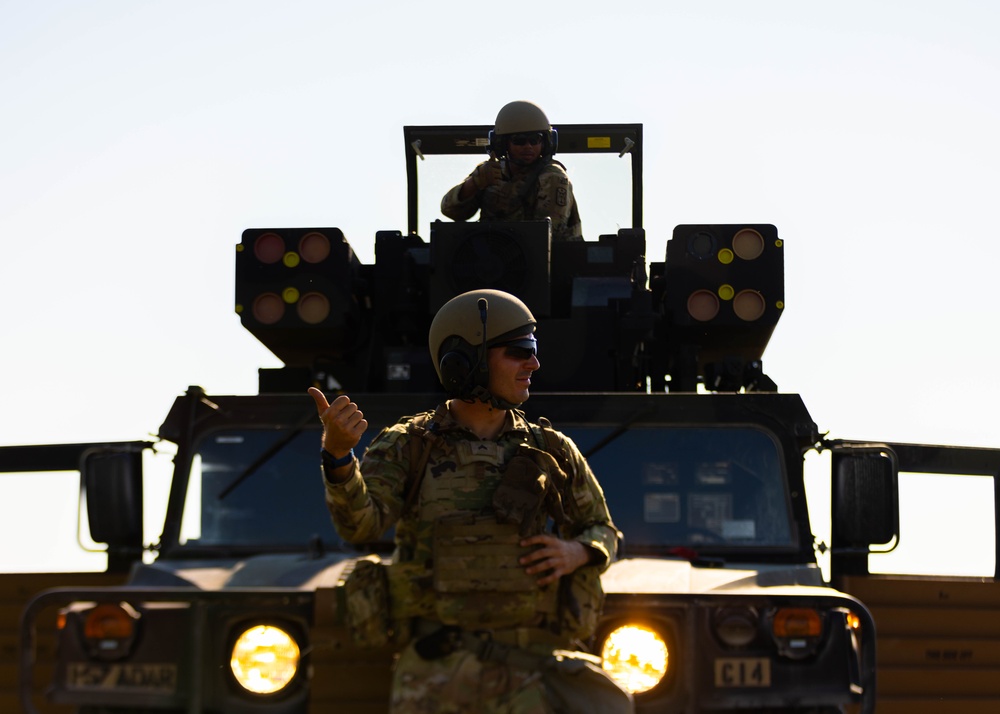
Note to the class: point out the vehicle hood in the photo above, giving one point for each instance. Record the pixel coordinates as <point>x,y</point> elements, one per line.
<point>678,576</point>
<point>629,576</point>
<point>297,571</point>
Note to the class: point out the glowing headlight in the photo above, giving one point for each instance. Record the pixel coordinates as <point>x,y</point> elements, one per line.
<point>264,659</point>
<point>636,657</point>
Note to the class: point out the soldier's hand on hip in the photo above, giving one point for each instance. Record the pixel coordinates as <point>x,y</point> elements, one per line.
<point>555,557</point>
<point>343,422</point>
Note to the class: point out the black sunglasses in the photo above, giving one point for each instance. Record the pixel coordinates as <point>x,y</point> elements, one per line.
<point>523,348</point>
<point>522,139</point>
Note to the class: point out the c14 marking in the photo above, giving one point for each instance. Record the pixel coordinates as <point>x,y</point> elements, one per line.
<point>743,672</point>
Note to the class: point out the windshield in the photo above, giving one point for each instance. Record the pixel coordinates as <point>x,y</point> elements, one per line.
<point>692,487</point>
<point>665,487</point>
<point>602,185</point>
<point>278,506</point>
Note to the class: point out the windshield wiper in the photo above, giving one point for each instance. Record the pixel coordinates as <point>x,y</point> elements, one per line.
<point>619,430</point>
<point>267,455</point>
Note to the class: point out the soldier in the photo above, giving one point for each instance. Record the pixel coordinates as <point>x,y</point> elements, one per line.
<point>520,181</point>
<point>481,588</point>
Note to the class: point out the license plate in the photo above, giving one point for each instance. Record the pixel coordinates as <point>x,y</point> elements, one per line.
<point>161,678</point>
<point>743,672</point>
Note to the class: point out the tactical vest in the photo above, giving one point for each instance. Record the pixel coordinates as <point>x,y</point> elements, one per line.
<point>476,503</point>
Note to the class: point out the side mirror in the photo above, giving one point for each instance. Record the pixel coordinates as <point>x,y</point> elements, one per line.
<point>112,484</point>
<point>865,485</point>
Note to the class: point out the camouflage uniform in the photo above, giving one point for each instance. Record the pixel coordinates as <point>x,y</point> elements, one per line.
<point>552,197</point>
<point>460,480</point>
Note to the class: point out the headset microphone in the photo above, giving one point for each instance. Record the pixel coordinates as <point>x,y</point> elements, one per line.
<point>477,381</point>
<point>483,307</point>
<point>481,364</point>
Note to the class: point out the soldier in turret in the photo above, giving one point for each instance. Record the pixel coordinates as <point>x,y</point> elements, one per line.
<point>502,530</point>
<point>521,181</point>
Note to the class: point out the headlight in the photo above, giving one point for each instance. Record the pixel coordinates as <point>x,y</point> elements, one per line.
<point>636,657</point>
<point>265,659</point>
<point>735,626</point>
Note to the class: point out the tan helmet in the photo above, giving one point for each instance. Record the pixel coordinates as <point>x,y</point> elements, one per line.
<point>457,344</point>
<point>521,117</point>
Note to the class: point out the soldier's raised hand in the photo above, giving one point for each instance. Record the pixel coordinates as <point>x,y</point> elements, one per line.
<point>343,422</point>
<point>487,174</point>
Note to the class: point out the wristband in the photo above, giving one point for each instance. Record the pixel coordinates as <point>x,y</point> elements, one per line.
<point>331,462</point>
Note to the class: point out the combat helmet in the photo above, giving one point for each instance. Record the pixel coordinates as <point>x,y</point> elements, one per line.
<point>458,345</point>
<point>522,117</point>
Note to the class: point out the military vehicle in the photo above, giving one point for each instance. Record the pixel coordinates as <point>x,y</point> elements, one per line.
<point>654,367</point>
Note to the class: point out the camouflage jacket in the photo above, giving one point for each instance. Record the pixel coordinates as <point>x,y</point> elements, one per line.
<point>460,480</point>
<point>551,196</point>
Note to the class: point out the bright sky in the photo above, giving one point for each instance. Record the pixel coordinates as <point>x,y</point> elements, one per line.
<point>139,139</point>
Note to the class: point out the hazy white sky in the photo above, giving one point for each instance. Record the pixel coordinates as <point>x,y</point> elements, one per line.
<point>139,139</point>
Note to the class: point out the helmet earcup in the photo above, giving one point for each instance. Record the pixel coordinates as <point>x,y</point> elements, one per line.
<point>462,372</point>
<point>455,368</point>
<point>496,146</point>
